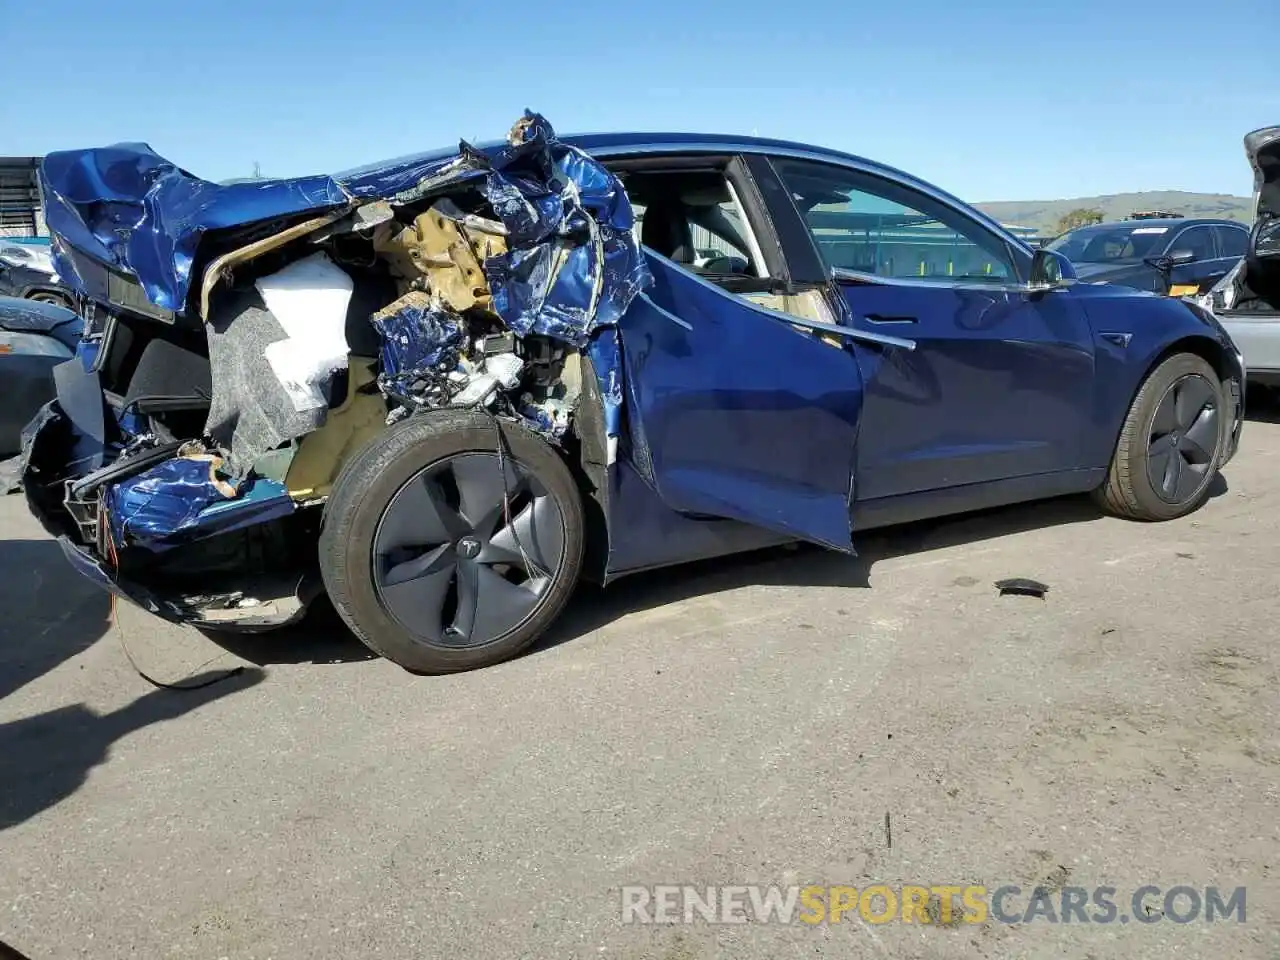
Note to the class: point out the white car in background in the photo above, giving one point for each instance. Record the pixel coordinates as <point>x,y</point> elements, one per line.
<point>1247,300</point>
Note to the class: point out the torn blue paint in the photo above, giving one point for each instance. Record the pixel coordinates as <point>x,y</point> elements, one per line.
<point>572,263</point>
<point>419,336</point>
<point>183,499</point>
<point>605,354</point>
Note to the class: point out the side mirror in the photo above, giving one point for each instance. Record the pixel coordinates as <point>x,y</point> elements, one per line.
<point>1179,257</point>
<point>1050,269</point>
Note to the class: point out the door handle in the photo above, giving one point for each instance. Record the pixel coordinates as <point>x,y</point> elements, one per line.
<point>851,333</point>
<point>881,318</point>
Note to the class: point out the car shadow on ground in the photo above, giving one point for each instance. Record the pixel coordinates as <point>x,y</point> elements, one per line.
<point>319,638</point>
<point>47,757</point>
<point>51,615</point>
<point>1261,404</point>
<point>806,566</point>
<point>322,638</point>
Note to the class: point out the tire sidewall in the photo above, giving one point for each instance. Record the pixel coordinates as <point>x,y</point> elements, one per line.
<point>1153,391</point>
<point>365,488</point>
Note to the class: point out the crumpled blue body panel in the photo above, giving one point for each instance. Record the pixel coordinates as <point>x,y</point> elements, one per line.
<point>133,210</point>
<point>177,501</point>
<point>415,338</point>
<point>573,262</point>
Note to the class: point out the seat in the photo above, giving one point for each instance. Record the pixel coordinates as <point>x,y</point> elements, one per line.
<point>665,229</point>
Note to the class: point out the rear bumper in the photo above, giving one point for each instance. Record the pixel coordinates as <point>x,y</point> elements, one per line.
<point>68,439</point>
<point>270,614</point>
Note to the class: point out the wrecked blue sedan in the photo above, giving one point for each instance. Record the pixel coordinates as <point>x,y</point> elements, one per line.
<point>444,389</point>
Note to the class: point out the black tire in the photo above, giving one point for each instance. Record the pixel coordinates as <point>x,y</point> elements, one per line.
<point>1130,489</point>
<point>372,483</point>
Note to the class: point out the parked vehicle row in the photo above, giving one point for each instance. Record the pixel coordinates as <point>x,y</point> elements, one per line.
<point>1176,256</point>
<point>34,338</point>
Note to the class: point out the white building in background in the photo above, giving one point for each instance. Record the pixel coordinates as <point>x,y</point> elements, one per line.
<point>20,213</point>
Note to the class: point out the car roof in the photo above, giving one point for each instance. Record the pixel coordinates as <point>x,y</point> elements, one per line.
<point>1169,222</point>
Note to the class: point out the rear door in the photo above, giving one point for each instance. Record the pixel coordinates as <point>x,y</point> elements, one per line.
<point>737,409</point>
<point>1000,385</point>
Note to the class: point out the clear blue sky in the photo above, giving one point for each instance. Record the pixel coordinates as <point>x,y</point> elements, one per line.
<point>992,99</point>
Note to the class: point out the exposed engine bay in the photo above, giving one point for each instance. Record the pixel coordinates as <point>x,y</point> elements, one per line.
<point>479,289</point>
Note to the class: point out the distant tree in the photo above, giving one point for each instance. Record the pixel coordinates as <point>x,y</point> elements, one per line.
<point>1080,217</point>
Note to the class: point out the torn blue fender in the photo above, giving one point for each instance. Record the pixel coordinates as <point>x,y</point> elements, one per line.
<point>573,263</point>
<point>184,499</point>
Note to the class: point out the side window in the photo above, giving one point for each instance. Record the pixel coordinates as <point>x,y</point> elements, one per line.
<point>1232,242</point>
<point>876,226</point>
<point>1199,240</point>
<point>694,218</point>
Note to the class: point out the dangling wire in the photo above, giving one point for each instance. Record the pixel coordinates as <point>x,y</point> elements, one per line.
<point>529,565</point>
<point>114,558</point>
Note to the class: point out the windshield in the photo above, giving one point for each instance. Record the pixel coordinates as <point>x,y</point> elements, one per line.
<point>1111,243</point>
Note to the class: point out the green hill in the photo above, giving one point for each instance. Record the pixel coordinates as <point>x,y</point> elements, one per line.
<point>1044,214</point>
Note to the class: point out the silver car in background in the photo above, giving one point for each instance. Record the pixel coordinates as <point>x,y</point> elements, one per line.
<point>1247,299</point>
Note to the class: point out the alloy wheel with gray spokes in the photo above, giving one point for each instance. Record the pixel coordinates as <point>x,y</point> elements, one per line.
<point>1183,440</point>
<point>467,550</point>
<point>1170,443</point>
<point>444,548</point>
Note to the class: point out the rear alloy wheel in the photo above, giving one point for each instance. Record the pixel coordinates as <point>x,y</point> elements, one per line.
<point>1171,442</point>
<point>443,555</point>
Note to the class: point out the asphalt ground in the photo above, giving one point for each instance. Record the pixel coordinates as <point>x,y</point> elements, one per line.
<point>791,718</point>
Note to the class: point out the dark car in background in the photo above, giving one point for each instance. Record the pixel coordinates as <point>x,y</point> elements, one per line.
<point>27,272</point>
<point>1175,256</point>
<point>34,338</point>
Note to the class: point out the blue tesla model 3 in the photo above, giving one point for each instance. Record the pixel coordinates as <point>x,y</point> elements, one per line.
<point>443,389</point>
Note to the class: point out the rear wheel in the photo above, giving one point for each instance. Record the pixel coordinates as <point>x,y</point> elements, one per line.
<point>444,550</point>
<point>1171,443</point>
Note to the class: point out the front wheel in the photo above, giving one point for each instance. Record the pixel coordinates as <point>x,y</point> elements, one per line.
<point>445,549</point>
<point>1171,443</point>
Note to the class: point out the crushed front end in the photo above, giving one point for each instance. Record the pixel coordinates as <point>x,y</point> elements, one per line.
<point>242,345</point>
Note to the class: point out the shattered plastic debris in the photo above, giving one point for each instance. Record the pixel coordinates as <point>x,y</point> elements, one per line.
<point>168,498</point>
<point>309,299</point>
<point>573,263</point>
<point>505,369</point>
<point>1022,587</point>
<point>551,417</point>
